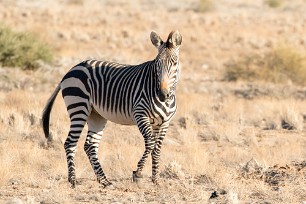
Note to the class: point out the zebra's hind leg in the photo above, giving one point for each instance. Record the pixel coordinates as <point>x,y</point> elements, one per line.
<point>76,127</point>
<point>146,130</point>
<point>96,125</point>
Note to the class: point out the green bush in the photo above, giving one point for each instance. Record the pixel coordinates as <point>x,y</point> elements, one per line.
<point>279,65</point>
<point>22,49</point>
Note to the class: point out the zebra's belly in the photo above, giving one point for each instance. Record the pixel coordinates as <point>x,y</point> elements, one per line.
<point>116,117</point>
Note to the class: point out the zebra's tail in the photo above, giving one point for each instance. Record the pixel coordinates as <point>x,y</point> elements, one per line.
<point>47,111</point>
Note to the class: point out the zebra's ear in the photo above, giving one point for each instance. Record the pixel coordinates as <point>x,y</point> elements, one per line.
<point>174,39</point>
<point>155,39</point>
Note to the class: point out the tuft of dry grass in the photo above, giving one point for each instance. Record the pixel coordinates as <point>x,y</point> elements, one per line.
<point>173,170</point>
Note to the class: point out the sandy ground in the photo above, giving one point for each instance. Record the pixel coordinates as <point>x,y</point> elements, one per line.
<point>229,142</point>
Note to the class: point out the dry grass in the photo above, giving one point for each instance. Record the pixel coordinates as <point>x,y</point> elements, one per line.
<point>230,140</point>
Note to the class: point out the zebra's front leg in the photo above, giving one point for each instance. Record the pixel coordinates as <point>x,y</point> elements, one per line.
<point>146,130</point>
<point>156,152</point>
<point>96,124</point>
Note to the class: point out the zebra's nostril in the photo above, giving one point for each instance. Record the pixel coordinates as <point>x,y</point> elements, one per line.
<point>163,95</point>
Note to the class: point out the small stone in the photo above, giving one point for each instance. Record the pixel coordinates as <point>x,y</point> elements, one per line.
<point>214,194</point>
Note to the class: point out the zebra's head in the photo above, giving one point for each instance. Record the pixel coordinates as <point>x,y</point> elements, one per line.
<point>168,64</point>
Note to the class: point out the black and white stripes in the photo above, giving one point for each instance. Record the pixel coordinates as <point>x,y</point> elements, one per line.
<point>143,95</point>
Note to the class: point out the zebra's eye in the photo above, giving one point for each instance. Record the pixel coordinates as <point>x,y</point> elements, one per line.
<point>175,63</point>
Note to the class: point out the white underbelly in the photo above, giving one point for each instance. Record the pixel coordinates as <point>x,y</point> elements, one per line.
<point>118,118</point>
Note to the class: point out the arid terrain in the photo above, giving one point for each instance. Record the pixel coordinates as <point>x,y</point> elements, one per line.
<point>230,142</point>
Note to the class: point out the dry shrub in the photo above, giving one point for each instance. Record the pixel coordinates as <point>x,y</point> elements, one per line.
<point>205,5</point>
<point>273,3</point>
<point>76,2</point>
<point>280,65</point>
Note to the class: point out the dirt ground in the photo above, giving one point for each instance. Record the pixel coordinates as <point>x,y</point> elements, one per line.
<point>230,142</point>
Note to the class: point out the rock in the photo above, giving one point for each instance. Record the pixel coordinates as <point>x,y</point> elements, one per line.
<point>286,125</point>
<point>213,195</point>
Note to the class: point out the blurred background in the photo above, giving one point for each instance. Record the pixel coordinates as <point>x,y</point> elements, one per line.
<point>231,40</point>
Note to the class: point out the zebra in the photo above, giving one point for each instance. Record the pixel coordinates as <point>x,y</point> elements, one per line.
<point>143,95</point>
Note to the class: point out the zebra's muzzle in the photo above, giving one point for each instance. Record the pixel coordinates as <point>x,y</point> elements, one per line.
<point>163,95</point>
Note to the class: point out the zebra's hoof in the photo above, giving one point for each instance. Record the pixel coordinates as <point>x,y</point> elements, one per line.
<point>136,176</point>
<point>104,182</point>
<point>107,185</point>
<point>72,181</point>
<point>156,182</point>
